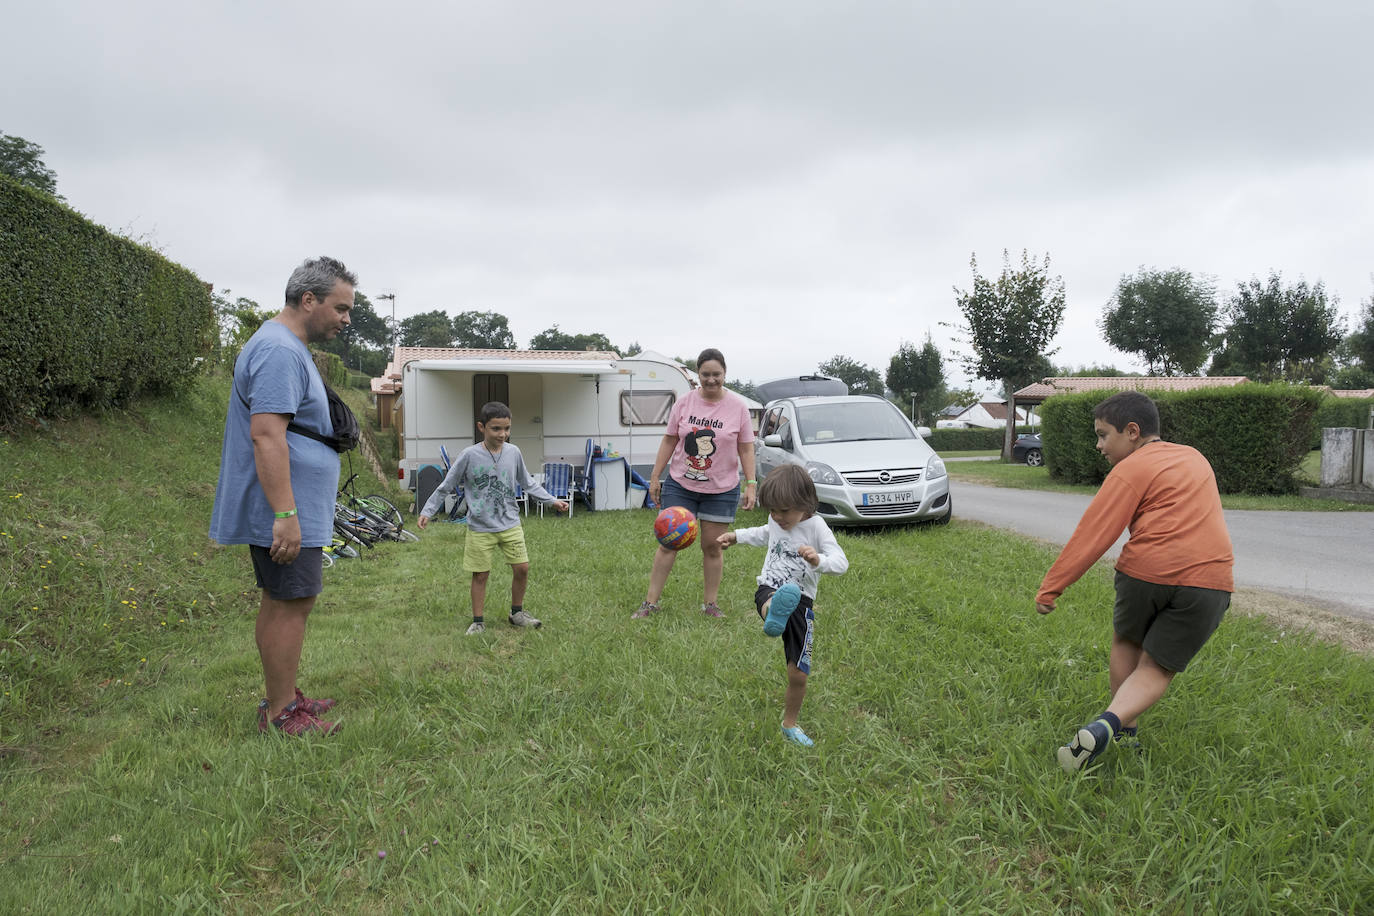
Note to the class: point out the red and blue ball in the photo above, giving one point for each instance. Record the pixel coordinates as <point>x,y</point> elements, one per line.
<point>676,528</point>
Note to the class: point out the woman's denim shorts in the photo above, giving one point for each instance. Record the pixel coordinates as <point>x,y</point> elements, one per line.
<point>707,507</point>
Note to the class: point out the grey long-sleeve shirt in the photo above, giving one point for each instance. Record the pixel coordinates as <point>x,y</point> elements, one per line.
<point>488,482</point>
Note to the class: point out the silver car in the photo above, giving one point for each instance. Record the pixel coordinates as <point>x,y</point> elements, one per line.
<point>870,465</point>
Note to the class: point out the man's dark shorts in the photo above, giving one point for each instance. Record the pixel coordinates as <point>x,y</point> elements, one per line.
<point>797,635</point>
<point>1171,622</point>
<point>301,578</point>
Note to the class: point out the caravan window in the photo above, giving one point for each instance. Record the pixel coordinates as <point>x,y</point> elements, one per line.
<point>645,408</point>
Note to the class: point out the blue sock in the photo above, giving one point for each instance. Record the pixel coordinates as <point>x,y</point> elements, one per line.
<point>1113,721</point>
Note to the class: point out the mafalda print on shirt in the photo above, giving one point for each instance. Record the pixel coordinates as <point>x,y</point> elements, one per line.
<point>699,445</point>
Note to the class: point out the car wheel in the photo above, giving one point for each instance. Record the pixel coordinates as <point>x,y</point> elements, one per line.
<point>1034,458</point>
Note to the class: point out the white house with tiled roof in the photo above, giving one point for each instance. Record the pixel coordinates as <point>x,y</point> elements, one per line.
<point>983,415</point>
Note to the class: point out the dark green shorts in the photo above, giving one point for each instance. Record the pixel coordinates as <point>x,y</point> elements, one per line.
<point>1171,622</point>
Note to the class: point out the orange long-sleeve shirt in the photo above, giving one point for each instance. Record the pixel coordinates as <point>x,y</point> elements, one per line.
<point>1167,494</point>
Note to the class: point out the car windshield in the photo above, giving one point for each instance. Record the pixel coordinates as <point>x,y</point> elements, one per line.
<point>851,422</point>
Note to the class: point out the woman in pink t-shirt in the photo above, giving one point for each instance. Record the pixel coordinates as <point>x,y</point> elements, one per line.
<point>710,439</point>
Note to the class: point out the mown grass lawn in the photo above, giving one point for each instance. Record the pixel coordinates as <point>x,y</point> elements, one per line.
<point>601,765</point>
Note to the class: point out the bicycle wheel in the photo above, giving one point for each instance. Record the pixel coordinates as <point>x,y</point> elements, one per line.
<point>326,558</point>
<point>386,509</point>
<point>341,549</point>
<point>352,535</point>
<point>406,537</point>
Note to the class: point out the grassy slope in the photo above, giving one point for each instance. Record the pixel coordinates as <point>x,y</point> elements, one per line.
<point>600,765</point>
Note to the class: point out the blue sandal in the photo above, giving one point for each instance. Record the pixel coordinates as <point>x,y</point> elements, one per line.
<point>785,601</point>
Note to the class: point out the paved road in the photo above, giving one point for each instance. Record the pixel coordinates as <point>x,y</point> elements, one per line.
<point>1322,557</point>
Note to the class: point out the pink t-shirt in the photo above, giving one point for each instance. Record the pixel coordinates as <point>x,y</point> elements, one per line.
<point>709,434</point>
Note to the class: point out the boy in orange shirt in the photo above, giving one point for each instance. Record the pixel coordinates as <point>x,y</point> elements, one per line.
<point>1173,578</point>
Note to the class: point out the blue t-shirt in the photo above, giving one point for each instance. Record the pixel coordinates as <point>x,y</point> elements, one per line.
<point>275,374</point>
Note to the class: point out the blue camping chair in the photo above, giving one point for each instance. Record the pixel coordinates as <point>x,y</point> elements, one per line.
<point>558,480</point>
<point>460,503</point>
<point>582,481</point>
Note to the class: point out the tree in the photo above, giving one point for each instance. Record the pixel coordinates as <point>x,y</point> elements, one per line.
<point>918,375</point>
<point>482,331</point>
<point>744,388</point>
<point>860,378</point>
<point>427,329</point>
<point>554,339</point>
<point>1361,340</point>
<point>1355,355</point>
<point>363,344</point>
<point>1277,331</point>
<point>1165,316</point>
<point>23,161</point>
<point>238,319</point>
<point>962,397</point>
<point>1094,372</point>
<point>1010,323</point>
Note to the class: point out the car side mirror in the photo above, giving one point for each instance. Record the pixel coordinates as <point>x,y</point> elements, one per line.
<point>773,440</point>
<point>923,432</point>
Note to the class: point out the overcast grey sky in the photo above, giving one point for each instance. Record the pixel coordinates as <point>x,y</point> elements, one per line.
<point>786,181</point>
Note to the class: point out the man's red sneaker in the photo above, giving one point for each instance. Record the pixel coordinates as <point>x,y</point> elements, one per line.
<point>314,707</point>
<point>294,720</point>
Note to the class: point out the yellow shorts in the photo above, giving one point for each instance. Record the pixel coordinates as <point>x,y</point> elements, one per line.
<point>479,545</point>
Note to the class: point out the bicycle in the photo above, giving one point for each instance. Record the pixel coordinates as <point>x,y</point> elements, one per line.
<point>372,512</point>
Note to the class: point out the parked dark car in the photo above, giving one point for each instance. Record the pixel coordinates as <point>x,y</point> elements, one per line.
<point>1027,448</point>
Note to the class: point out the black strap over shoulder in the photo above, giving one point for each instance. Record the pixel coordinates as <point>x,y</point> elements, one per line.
<point>341,420</point>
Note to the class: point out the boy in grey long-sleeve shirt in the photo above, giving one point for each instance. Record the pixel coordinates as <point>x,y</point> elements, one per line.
<point>488,472</point>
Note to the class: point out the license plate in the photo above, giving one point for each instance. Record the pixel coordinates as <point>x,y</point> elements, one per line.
<point>884,499</point>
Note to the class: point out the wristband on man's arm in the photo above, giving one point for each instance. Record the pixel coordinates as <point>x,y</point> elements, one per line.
<point>287,514</point>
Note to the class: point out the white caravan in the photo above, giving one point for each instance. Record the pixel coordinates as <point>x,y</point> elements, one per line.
<point>558,400</point>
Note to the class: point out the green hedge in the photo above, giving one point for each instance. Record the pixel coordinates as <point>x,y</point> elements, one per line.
<point>1342,412</point>
<point>331,368</point>
<point>1255,436</point>
<point>91,319</point>
<point>969,440</point>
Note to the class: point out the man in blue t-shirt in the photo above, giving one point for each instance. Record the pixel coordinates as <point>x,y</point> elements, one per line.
<point>276,487</point>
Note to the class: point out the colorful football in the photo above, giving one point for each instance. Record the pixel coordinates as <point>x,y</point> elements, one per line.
<point>675,528</point>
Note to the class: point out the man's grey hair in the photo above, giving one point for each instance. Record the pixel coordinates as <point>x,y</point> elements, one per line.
<point>317,276</point>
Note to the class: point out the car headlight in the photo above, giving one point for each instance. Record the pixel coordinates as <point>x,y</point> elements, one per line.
<point>935,468</point>
<point>823,473</point>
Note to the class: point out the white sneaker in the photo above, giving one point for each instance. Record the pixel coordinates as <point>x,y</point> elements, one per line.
<point>522,619</point>
<point>477,627</point>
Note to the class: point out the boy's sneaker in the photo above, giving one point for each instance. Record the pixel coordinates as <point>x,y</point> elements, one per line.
<point>314,707</point>
<point>711,610</point>
<point>522,619</point>
<point>797,736</point>
<point>645,610</point>
<point>784,602</point>
<point>1091,740</point>
<point>294,720</point>
<point>475,628</point>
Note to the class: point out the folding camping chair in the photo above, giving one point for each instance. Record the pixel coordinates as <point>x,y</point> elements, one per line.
<point>460,503</point>
<point>582,479</point>
<point>558,480</point>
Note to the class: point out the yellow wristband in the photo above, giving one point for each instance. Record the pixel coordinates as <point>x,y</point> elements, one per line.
<point>287,514</point>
